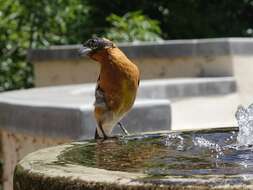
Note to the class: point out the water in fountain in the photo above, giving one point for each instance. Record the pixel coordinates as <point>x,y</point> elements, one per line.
<point>224,152</point>
<point>244,118</point>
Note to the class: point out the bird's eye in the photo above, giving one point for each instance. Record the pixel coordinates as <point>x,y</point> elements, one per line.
<point>93,44</point>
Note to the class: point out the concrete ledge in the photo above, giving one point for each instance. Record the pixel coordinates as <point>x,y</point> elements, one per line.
<point>60,65</point>
<point>68,111</point>
<point>173,88</point>
<point>41,171</point>
<point>189,87</point>
<point>164,49</point>
<point>78,123</point>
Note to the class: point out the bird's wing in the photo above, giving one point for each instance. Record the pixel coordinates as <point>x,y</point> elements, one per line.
<point>100,100</point>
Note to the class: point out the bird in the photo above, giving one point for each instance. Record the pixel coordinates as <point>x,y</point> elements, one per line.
<point>117,84</point>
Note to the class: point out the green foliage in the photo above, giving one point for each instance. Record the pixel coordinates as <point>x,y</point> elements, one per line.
<point>35,24</point>
<point>14,72</point>
<point>28,24</point>
<point>133,26</point>
<point>184,19</point>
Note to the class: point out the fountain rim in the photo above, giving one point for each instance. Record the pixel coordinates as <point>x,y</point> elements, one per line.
<point>40,164</point>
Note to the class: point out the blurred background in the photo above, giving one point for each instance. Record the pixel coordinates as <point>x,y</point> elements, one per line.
<point>39,24</point>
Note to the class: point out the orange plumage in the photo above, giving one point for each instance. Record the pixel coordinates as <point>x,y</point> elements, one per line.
<point>116,86</point>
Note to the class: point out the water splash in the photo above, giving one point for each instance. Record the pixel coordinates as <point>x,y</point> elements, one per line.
<point>175,140</point>
<point>244,117</point>
<point>204,143</point>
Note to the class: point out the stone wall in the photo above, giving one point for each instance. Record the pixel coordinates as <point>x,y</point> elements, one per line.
<point>60,65</point>
<point>16,145</point>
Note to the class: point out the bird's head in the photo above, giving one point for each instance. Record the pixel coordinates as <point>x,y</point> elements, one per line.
<point>95,45</point>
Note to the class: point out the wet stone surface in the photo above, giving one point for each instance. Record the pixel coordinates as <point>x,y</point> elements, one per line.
<point>209,159</point>
<point>178,154</point>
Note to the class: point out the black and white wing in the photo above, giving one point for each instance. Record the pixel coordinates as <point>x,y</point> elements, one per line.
<point>100,100</point>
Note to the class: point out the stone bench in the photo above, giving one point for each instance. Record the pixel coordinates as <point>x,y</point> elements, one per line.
<point>61,65</point>
<point>131,164</point>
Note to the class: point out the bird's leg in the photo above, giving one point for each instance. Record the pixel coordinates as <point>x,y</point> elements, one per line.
<point>96,134</point>
<point>123,128</point>
<point>102,130</point>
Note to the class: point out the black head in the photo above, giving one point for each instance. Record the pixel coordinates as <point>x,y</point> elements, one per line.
<point>95,44</point>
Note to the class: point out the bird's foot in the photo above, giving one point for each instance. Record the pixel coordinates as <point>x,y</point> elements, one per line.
<point>97,136</point>
<point>126,133</point>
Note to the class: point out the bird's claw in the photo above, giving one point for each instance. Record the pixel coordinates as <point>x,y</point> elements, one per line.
<point>126,133</point>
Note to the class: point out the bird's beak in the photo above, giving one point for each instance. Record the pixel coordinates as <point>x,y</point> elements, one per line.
<point>84,51</point>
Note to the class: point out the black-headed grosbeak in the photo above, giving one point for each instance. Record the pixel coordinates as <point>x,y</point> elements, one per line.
<point>117,84</point>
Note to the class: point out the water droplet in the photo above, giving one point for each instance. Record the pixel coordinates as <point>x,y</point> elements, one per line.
<point>244,118</point>
<point>241,115</point>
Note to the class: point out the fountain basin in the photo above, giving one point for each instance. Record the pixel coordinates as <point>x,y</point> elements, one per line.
<point>204,159</point>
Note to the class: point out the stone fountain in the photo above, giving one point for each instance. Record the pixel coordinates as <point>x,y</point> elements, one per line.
<point>197,159</point>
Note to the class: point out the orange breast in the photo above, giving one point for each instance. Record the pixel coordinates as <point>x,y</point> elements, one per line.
<point>118,79</point>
